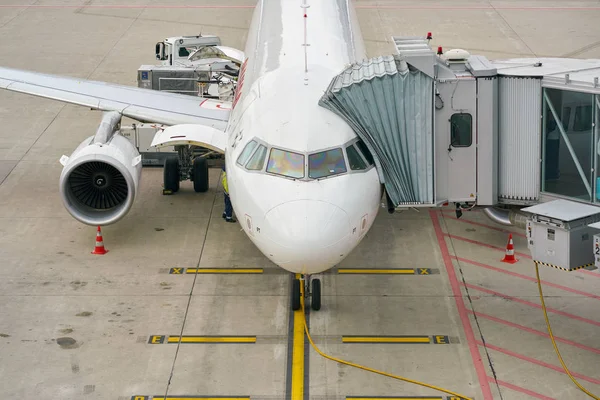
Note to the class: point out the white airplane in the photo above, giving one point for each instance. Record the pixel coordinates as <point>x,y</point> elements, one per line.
<point>302,184</point>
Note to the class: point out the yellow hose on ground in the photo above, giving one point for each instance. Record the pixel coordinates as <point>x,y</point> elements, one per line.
<point>362,367</point>
<point>537,273</point>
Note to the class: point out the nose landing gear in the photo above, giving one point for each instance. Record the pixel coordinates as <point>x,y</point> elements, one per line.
<point>312,290</point>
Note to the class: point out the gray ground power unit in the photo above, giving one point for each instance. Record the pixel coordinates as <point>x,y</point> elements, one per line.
<point>596,246</point>
<point>559,235</point>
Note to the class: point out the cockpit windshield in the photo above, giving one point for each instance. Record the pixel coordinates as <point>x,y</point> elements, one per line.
<point>326,163</point>
<point>289,164</point>
<point>286,163</point>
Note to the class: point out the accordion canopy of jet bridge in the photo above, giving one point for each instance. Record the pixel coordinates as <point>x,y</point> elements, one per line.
<point>389,105</point>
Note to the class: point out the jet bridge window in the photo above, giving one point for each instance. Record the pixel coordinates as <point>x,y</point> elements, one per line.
<point>247,152</point>
<point>326,163</point>
<point>354,159</point>
<point>258,159</point>
<point>286,163</point>
<point>461,132</point>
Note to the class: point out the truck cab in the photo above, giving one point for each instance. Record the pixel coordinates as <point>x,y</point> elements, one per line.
<point>176,50</point>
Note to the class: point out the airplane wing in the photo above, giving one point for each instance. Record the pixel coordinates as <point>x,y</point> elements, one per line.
<point>144,105</point>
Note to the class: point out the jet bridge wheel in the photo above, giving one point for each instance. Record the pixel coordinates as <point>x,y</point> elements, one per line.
<point>171,174</point>
<point>200,174</point>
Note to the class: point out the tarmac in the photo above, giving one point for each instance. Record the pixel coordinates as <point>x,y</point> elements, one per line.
<point>184,306</point>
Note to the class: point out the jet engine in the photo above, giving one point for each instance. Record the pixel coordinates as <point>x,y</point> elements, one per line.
<point>100,179</point>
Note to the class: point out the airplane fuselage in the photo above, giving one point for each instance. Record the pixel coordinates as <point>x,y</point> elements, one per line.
<point>300,186</point>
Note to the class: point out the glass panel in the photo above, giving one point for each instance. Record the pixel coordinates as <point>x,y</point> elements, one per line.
<point>561,173</point>
<point>286,163</point>
<point>183,52</point>
<point>365,151</point>
<point>460,130</point>
<point>258,159</point>
<point>354,159</point>
<point>247,152</point>
<point>326,163</point>
<point>596,148</point>
<point>583,116</point>
<point>566,118</point>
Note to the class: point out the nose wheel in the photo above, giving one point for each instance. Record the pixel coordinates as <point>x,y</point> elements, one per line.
<point>312,290</point>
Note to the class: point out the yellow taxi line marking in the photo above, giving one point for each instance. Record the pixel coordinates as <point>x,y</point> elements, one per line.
<point>224,271</point>
<point>187,398</point>
<point>396,271</point>
<point>298,355</point>
<point>397,398</point>
<point>436,339</point>
<point>160,339</point>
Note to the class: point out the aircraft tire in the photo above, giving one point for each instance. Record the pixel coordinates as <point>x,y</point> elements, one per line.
<point>171,174</point>
<point>296,294</point>
<point>200,174</point>
<point>315,300</point>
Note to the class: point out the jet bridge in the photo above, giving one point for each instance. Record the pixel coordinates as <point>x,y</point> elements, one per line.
<point>451,127</point>
<point>388,103</point>
<point>417,117</point>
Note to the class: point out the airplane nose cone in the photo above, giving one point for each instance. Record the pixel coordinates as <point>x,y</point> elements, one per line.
<point>308,235</point>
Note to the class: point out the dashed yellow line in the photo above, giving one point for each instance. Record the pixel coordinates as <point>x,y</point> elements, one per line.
<point>160,339</point>
<point>386,271</point>
<point>188,271</point>
<point>398,398</point>
<point>186,398</point>
<point>436,339</point>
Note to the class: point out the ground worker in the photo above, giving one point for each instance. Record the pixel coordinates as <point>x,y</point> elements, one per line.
<point>228,213</point>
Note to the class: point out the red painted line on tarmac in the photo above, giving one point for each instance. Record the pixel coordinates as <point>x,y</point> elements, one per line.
<point>529,278</point>
<point>538,362</point>
<point>462,310</point>
<point>520,389</point>
<point>495,228</point>
<point>534,331</point>
<point>529,303</point>
<point>489,246</point>
<point>585,271</point>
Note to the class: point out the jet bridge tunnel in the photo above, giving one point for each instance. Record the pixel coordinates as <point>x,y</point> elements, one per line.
<point>459,128</point>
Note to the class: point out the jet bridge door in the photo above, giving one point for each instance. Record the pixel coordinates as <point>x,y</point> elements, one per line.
<point>456,139</point>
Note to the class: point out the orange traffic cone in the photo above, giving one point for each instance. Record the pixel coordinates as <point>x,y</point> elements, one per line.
<point>509,257</point>
<point>99,249</point>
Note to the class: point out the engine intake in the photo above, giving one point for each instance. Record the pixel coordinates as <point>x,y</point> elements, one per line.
<point>98,185</point>
<point>99,182</point>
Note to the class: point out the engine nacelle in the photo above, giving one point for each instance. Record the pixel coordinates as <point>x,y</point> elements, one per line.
<point>100,180</point>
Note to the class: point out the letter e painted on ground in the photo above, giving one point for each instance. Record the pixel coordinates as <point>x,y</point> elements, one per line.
<point>441,339</point>
<point>156,339</point>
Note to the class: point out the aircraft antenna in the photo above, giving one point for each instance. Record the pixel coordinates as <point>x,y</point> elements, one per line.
<point>305,6</point>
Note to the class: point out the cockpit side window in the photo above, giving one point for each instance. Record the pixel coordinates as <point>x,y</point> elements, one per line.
<point>354,159</point>
<point>326,163</point>
<point>365,151</point>
<point>247,152</point>
<point>258,159</point>
<point>286,163</point>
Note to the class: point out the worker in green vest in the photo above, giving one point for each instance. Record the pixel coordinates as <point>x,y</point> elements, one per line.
<point>228,213</point>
